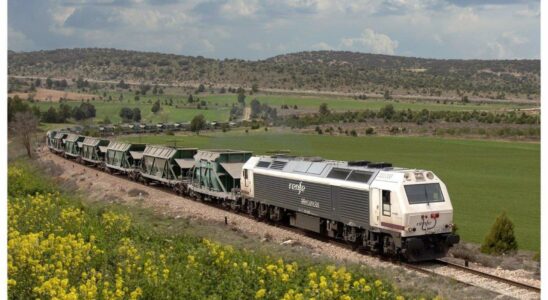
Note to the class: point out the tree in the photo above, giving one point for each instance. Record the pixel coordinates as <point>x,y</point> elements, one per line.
<point>16,105</point>
<point>255,88</point>
<point>156,107</point>
<point>255,108</point>
<point>126,114</point>
<point>24,126</point>
<point>387,112</point>
<point>387,95</point>
<point>190,98</point>
<point>49,83</point>
<point>200,89</point>
<point>501,238</point>
<point>241,96</point>
<point>198,123</point>
<point>136,114</point>
<point>50,116</point>
<point>324,110</point>
<point>38,82</point>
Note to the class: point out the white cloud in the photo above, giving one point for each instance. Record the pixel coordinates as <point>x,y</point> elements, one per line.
<point>370,41</point>
<point>239,8</point>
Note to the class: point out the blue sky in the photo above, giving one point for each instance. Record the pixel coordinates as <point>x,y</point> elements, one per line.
<point>252,29</point>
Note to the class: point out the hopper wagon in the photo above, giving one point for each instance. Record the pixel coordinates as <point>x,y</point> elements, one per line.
<point>216,175</point>
<point>73,145</point>
<point>49,139</point>
<point>57,142</point>
<point>166,165</point>
<point>93,150</point>
<point>124,158</point>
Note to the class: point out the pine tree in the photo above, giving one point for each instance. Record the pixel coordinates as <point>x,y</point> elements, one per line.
<point>501,238</point>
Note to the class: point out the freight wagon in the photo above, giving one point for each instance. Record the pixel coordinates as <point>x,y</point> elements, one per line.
<point>124,158</point>
<point>93,150</point>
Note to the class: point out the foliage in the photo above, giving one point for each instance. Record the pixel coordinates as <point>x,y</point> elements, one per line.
<point>24,127</point>
<point>197,124</point>
<point>59,248</point>
<point>501,238</point>
<point>315,70</point>
<point>156,107</point>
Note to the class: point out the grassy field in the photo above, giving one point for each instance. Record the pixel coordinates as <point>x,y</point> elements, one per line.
<point>483,177</point>
<point>345,104</point>
<point>218,105</point>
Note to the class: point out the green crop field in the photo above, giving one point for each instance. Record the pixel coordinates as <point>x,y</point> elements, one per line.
<point>218,105</point>
<point>483,177</point>
<point>112,110</point>
<point>345,104</point>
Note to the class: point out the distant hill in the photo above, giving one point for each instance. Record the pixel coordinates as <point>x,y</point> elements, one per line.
<point>317,71</point>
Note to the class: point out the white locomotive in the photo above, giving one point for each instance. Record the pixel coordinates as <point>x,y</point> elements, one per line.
<point>396,211</point>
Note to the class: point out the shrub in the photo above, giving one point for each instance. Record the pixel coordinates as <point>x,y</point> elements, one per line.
<point>501,238</point>
<point>369,131</point>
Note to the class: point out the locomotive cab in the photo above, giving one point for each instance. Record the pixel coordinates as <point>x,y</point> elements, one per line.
<point>415,207</point>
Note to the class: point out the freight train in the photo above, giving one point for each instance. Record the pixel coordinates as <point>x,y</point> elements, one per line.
<point>397,212</point>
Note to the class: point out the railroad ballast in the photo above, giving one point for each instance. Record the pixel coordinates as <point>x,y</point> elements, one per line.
<point>392,211</point>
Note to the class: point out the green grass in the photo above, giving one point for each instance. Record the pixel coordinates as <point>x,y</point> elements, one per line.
<point>218,105</point>
<point>169,113</point>
<point>345,104</point>
<point>483,177</point>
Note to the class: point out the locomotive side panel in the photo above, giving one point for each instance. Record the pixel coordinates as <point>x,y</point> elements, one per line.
<point>351,206</point>
<point>301,196</point>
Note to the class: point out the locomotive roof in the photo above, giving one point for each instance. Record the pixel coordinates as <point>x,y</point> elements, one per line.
<point>317,167</point>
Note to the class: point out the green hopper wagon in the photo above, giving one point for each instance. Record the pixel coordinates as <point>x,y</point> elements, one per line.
<point>124,158</point>
<point>73,144</point>
<point>165,165</point>
<point>49,139</point>
<point>93,150</point>
<point>217,173</point>
<point>57,144</point>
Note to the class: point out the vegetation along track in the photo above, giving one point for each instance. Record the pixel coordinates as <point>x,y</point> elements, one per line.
<point>469,276</point>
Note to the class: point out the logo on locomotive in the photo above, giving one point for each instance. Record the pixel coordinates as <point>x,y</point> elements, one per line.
<point>297,187</point>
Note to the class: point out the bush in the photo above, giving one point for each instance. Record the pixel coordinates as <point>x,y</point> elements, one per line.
<point>501,238</point>
<point>369,131</point>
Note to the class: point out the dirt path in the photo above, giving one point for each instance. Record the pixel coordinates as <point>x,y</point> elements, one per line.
<point>99,186</point>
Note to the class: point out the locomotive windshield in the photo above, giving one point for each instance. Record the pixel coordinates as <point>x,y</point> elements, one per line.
<point>424,193</point>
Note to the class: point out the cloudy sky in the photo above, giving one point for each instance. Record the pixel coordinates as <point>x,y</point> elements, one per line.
<point>251,29</point>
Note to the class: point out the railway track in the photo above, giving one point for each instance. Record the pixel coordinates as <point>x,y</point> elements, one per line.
<point>440,267</point>
<point>474,277</point>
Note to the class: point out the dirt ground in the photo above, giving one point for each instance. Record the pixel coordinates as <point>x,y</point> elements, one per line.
<point>97,186</point>
<point>47,95</point>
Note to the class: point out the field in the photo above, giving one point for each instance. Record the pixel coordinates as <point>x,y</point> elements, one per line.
<point>48,95</point>
<point>483,177</point>
<point>218,105</point>
<point>65,248</point>
<point>345,104</point>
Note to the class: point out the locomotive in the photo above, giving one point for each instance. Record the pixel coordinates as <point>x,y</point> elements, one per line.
<point>399,212</point>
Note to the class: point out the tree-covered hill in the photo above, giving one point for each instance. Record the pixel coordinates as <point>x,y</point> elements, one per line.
<point>338,71</point>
